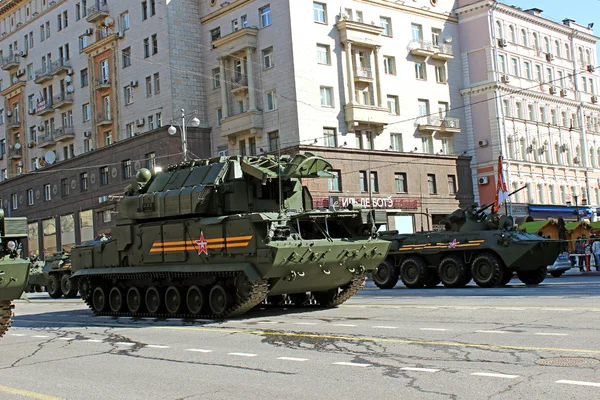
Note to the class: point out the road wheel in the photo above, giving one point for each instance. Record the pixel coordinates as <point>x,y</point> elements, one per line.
<point>299,299</point>
<point>386,275</point>
<point>194,300</point>
<point>98,300</point>
<point>413,272</point>
<point>219,300</point>
<point>172,300</point>
<point>39,288</point>
<point>278,300</point>
<point>115,299</point>
<point>134,300</point>
<point>152,300</point>
<point>325,297</point>
<point>453,272</point>
<point>533,277</point>
<point>433,278</point>
<point>54,287</point>
<point>68,287</point>
<point>85,287</point>
<point>487,270</point>
<point>506,278</point>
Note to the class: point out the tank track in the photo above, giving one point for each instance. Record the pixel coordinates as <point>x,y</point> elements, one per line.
<point>355,285</point>
<point>5,315</point>
<point>257,292</point>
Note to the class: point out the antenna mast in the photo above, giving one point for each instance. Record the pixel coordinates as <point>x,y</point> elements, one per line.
<point>280,189</point>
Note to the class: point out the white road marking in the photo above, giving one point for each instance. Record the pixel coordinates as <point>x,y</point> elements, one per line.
<point>305,323</point>
<point>550,334</point>
<point>16,334</point>
<point>243,354</point>
<point>351,364</point>
<point>66,338</point>
<point>579,383</point>
<point>510,308</point>
<point>40,336</point>
<point>292,359</point>
<point>433,329</point>
<point>492,332</point>
<point>466,308</point>
<point>492,375</point>
<point>199,350</point>
<point>155,346</point>
<point>350,325</point>
<point>268,322</point>
<point>384,327</point>
<point>419,369</point>
<point>94,340</point>
<point>61,315</point>
<point>125,343</point>
<point>558,309</point>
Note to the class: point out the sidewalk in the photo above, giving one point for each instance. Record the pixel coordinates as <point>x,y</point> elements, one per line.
<point>576,271</point>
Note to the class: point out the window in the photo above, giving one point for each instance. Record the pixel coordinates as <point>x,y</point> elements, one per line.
<point>267,55</point>
<point>386,24</point>
<point>29,197</point>
<point>150,122</point>
<point>146,48</point>
<point>524,40</point>
<point>216,74</point>
<point>59,22</point>
<point>423,107</point>
<point>156,83</point>
<point>77,12</point>
<point>389,65</point>
<point>519,107</point>
<point>154,43</point>
<point>506,108</point>
<point>274,141</point>
<point>127,169</point>
<point>103,175</point>
<point>527,69</point>
<point>265,16</point>
<point>107,138</point>
<point>431,185</point>
<point>502,63</point>
<point>323,54</point>
<point>440,74</point>
<point>320,13</point>
<point>148,86</point>
<point>436,37</point>
<point>514,66</point>
<point>129,129</point>
<point>150,160</point>
<point>531,112</point>
<point>330,138</point>
<point>451,184</point>
<point>42,33</point>
<point>393,105</point>
<point>152,7</point>
<point>512,34</point>
<point>251,146</point>
<point>271,100</point>
<point>397,144</point>
<point>335,182</point>
<point>126,57</point>
<point>401,184</point>
<point>420,70</point>
<point>427,144</point>
<point>128,94</point>
<point>215,34</point>
<point>144,10</point>
<point>64,187</point>
<point>158,119</point>
<point>83,42</point>
<point>363,181</point>
<point>86,111</point>
<point>219,116</point>
<point>106,216</point>
<point>417,32</point>
<point>47,192</point>
<point>326,96</point>
<point>242,147</point>
<point>244,21</point>
<point>14,201</point>
<point>374,182</point>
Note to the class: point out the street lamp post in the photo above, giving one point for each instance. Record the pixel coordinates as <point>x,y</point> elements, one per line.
<point>195,122</point>
<point>576,206</point>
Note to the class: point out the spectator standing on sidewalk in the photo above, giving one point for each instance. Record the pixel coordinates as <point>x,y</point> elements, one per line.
<point>579,253</point>
<point>596,252</point>
<point>587,253</point>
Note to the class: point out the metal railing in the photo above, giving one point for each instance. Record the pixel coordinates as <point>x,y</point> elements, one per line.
<point>363,72</point>
<point>13,122</point>
<point>98,8</point>
<point>101,34</point>
<point>64,131</point>
<point>10,58</point>
<point>62,97</point>
<point>47,107</point>
<point>239,81</point>
<point>452,123</point>
<point>13,151</point>
<point>103,116</point>
<point>47,138</point>
<point>421,45</point>
<point>61,62</point>
<point>44,71</point>
<point>103,80</point>
<point>445,48</point>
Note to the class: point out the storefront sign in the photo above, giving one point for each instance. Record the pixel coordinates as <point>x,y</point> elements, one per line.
<point>40,106</point>
<point>337,202</point>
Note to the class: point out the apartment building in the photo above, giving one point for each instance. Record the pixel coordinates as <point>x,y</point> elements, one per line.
<point>373,85</point>
<point>531,94</point>
<point>81,83</point>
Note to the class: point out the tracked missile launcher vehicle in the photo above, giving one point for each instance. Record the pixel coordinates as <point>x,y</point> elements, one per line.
<point>14,270</point>
<point>475,245</point>
<point>214,238</point>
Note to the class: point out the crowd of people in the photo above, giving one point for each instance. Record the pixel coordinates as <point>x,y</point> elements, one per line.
<point>587,251</point>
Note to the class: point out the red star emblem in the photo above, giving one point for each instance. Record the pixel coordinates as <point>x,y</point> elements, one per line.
<point>202,244</point>
<point>452,244</point>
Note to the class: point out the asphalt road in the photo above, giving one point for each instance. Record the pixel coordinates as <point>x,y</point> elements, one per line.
<point>516,342</point>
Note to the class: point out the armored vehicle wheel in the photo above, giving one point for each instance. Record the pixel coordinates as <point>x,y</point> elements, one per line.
<point>194,300</point>
<point>98,300</point>
<point>326,297</point>
<point>278,300</point>
<point>413,272</point>
<point>453,272</point>
<point>134,300</point>
<point>299,299</point>
<point>67,287</point>
<point>152,300</point>
<point>557,274</point>
<point>172,300</point>
<point>433,278</point>
<point>386,275</point>
<point>115,299</point>
<point>84,287</point>
<point>533,277</point>
<point>506,278</point>
<point>54,287</point>
<point>487,270</point>
<point>219,300</point>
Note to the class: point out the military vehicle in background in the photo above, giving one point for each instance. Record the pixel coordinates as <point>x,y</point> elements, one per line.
<point>37,280</point>
<point>215,238</point>
<point>475,245</point>
<point>14,270</point>
<point>57,271</point>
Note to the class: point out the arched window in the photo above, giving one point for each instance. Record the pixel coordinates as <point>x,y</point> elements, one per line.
<point>511,148</point>
<point>530,193</point>
<point>569,155</point>
<point>567,51</point>
<point>513,35</point>
<point>547,153</point>
<point>547,45</point>
<point>580,51</point>
<point>515,186</point>
<point>536,41</point>
<point>588,57</point>
<point>578,155</point>
<point>598,159</point>
<point>593,157</point>
<point>540,193</point>
<point>557,153</point>
<point>499,33</point>
<point>563,194</point>
<point>553,194</point>
<point>557,47</point>
<point>523,148</point>
<point>524,40</point>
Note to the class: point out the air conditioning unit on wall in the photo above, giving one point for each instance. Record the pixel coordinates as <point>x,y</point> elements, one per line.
<point>483,143</point>
<point>483,180</point>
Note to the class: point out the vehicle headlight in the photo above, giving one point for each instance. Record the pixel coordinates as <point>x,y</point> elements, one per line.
<point>11,245</point>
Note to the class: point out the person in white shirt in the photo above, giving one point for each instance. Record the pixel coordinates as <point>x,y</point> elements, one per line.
<point>596,252</point>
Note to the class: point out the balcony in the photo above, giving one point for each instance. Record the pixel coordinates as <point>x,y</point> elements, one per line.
<point>239,84</point>
<point>46,140</point>
<point>102,83</point>
<point>13,123</point>
<point>62,99</point>
<point>357,32</point>
<point>363,74</point>
<point>103,118</point>
<point>421,48</point>
<point>247,122</point>
<point>450,125</point>
<point>15,152</point>
<point>10,61</point>
<point>64,133</point>
<point>44,107</point>
<point>60,66</point>
<point>366,114</point>
<point>443,52</point>
<point>96,12</point>
<point>237,41</point>
<point>42,75</point>
<point>435,123</point>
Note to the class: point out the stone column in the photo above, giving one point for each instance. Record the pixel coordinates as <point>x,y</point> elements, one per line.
<point>378,94</point>
<point>223,87</point>
<point>250,77</point>
<point>350,72</point>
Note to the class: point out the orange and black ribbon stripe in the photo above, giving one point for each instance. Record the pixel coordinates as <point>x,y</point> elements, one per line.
<point>190,245</point>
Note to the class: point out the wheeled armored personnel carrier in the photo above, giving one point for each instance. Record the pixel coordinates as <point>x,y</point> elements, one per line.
<point>214,238</point>
<point>14,270</point>
<point>475,245</point>
<point>57,271</point>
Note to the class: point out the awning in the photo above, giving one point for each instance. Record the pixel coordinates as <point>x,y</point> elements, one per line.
<point>561,211</point>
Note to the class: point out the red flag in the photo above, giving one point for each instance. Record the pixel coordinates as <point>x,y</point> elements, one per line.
<point>501,190</point>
